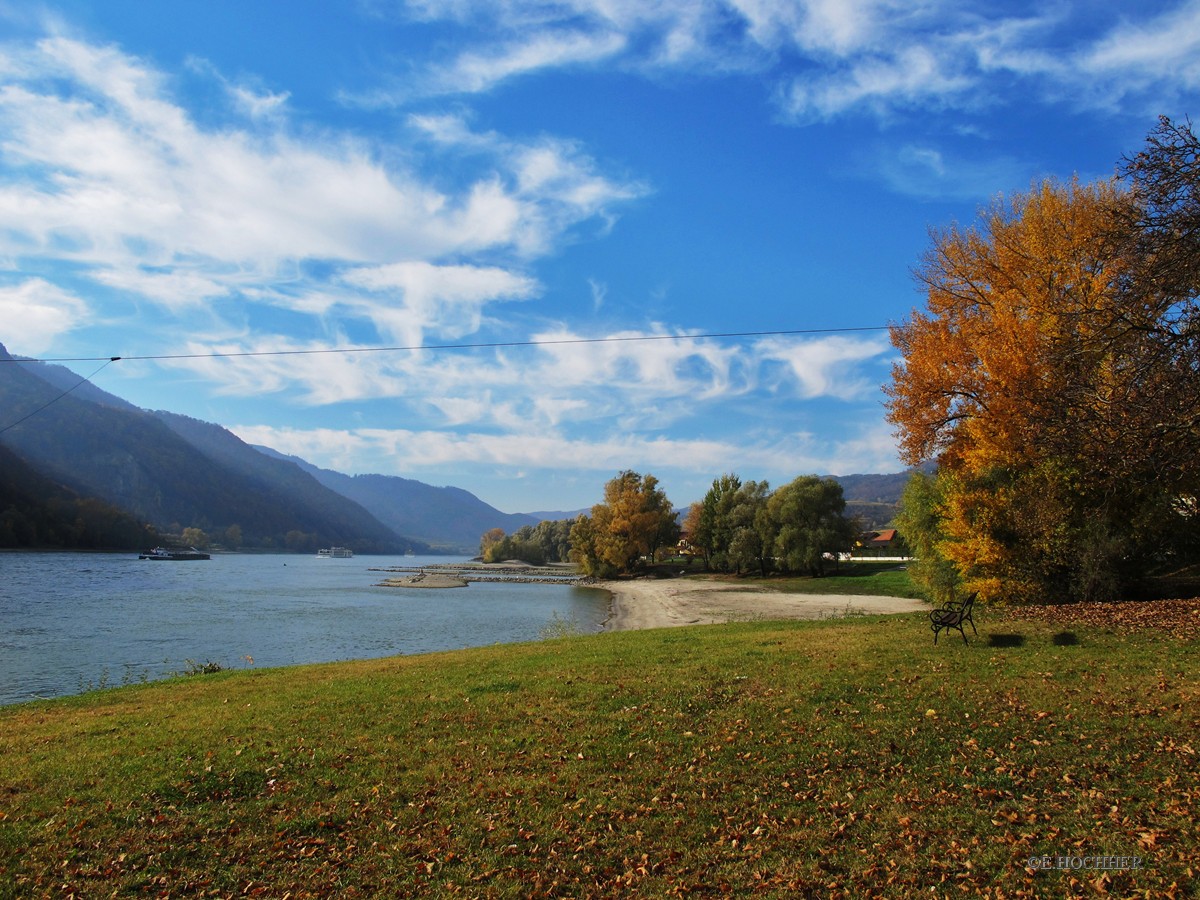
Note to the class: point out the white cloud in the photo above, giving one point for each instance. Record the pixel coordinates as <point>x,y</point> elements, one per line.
<point>832,58</point>
<point>912,75</point>
<point>1165,49</point>
<point>139,182</point>
<point>478,71</point>
<point>106,172</point>
<point>177,289</point>
<point>448,300</point>
<point>35,312</point>
<point>579,388</point>
<point>826,366</point>
<point>408,452</point>
<point>559,184</point>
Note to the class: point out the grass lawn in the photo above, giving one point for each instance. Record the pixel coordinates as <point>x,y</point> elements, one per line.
<point>888,579</point>
<point>837,759</point>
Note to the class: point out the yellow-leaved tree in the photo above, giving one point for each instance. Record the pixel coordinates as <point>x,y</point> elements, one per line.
<point>1038,378</point>
<point>632,523</point>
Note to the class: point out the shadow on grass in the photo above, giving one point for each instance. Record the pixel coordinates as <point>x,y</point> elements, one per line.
<point>1062,639</point>
<point>1006,640</point>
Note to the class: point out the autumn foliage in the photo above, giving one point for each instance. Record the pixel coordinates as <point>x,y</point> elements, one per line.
<point>634,520</point>
<point>1053,376</point>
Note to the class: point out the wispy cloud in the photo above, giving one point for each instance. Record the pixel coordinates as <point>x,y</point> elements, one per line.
<point>407,299</point>
<point>477,71</point>
<point>617,386</point>
<point>405,451</point>
<point>1161,52</point>
<point>830,58</point>
<point>108,173</point>
<point>928,172</point>
<point>35,312</point>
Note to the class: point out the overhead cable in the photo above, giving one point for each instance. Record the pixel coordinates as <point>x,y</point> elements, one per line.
<point>612,339</point>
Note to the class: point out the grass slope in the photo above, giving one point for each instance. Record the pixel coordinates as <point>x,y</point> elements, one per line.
<point>849,758</point>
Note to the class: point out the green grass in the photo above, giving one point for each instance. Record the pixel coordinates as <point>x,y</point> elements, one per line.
<point>848,758</point>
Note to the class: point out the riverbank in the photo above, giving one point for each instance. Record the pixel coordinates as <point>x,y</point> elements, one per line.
<point>642,603</point>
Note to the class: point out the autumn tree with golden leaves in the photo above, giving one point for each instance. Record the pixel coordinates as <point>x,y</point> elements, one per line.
<point>1042,377</point>
<point>632,523</point>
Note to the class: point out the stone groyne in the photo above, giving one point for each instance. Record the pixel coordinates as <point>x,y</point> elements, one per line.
<point>461,574</point>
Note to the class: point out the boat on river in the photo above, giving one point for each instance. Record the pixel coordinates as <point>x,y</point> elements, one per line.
<point>174,555</point>
<point>335,553</point>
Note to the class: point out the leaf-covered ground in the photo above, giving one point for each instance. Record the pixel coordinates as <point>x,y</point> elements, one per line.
<point>1179,617</point>
<point>765,759</point>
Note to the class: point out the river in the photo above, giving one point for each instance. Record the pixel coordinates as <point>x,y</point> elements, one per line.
<point>71,622</point>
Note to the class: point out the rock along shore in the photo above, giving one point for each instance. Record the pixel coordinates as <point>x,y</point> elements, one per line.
<point>447,575</point>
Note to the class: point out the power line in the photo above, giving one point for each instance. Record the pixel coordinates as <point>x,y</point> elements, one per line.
<point>473,346</point>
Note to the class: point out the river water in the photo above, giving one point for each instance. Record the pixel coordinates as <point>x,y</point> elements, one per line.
<point>71,622</point>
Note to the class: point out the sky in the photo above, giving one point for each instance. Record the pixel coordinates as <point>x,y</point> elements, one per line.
<point>571,205</point>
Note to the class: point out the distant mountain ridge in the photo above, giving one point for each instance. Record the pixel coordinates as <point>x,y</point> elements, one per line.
<point>448,518</point>
<point>172,472</point>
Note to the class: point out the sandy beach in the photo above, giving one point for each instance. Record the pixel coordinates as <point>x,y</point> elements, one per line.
<point>667,603</point>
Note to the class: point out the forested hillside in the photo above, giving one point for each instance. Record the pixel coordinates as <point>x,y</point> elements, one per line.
<point>37,513</point>
<point>101,447</point>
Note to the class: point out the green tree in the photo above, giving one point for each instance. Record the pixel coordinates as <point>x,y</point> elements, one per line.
<point>920,521</point>
<point>808,519</point>
<point>715,527</point>
<point>554,539</point>
<point>751,532</point>
<point>195,537</point>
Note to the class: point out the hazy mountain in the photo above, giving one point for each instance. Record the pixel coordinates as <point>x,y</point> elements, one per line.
<point>445,517</point>
<point>287,478</point>
<point>100,446</point>
<point>873,488</point>
<point>38,513</point>
<point>559,514</point>
<point>65,380</point>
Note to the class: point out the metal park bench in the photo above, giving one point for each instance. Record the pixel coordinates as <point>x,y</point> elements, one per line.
<point>952,614</point>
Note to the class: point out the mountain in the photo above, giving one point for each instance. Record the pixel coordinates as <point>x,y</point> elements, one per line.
<point>448,518</point>
<point>171,472</point>
<point>288,479</point>
<point>38,513</point>
<point>873,488</point>
<point>557,515</point>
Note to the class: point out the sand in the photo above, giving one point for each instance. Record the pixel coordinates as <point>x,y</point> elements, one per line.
<point>654,603</point>
<point>424,580</point>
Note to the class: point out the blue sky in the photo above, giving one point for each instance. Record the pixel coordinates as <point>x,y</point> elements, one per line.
<point>188,178</point>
